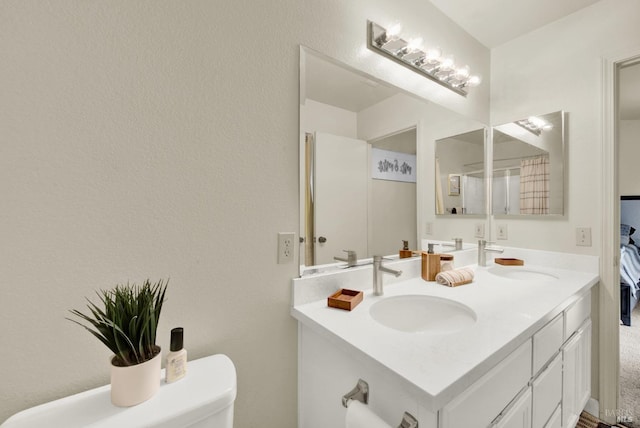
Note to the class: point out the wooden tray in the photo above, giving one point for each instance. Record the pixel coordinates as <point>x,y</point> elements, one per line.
<point>509,262</point>
<point>345,299</point>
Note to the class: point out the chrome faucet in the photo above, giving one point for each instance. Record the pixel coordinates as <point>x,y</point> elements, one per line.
<point>457,244</point>
<point>378,269</point>
<point>352,258</point>
<point>483,250</point>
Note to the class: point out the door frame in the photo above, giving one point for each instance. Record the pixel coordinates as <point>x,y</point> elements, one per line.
<point>609,289</point>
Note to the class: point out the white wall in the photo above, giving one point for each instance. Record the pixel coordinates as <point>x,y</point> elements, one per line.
<point>629,157</point>
<point>160,139</point>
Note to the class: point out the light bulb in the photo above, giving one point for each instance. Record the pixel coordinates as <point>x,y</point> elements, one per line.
<point>394,31</point>
<point>433,54</point>
<point>462,72</point>
<point>415,44</point>
<point>473,81</point>
<point>447,63</point>
<point>536,121</point>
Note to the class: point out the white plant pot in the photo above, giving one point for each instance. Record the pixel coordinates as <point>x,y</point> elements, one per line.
<point>134,384</point>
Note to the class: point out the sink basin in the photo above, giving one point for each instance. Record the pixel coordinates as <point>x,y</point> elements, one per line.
<point>417,313</point>
<point>522,274</point>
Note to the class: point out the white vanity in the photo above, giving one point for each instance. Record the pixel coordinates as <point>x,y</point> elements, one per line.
<point>523,360</point>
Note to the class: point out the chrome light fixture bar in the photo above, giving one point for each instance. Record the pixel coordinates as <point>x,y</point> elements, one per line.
<point>535,125</point>
<point>427,62</point>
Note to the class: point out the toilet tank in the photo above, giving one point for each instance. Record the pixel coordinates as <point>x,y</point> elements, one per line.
<point>204,398</point>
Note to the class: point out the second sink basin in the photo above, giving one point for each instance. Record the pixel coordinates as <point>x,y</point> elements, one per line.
<point>418,313</point>
<point>522,274</point>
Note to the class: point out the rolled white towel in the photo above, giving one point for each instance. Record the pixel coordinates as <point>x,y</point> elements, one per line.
<point>453,278</point>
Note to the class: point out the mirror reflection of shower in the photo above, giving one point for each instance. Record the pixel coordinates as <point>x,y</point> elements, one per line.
<point>460,176</point>
<point>528,166</point>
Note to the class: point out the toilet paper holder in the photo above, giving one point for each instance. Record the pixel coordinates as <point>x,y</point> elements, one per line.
<point>361,393</point>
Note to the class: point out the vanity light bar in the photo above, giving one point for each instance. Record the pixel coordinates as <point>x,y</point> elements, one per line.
<point>411,54</point>
<point>534,125</point>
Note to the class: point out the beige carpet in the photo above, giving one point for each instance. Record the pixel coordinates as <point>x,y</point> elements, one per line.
<point>629,405</point>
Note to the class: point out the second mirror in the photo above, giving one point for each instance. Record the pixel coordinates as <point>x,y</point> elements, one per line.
<point>528,166</point>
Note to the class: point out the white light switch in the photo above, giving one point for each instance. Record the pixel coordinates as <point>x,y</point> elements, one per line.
<point>502,231</point>
<point>583,236</point>
<point>428,228</point>
<point>479,230</point>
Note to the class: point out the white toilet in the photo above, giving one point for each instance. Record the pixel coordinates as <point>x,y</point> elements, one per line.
<point>204,398</point>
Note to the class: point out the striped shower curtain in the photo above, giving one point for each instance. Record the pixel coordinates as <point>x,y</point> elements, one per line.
<point>534,185</point>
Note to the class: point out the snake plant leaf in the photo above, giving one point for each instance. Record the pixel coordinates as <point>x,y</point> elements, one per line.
<point>128,322</point>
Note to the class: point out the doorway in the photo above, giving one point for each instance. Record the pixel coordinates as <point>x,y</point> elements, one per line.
<point>628,176</point>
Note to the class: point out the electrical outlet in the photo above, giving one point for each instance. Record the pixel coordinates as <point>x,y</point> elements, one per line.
<point>479,230</point>
<point>502,231</point>
<point>583,236</point>
<point>285,247</point>
<point>428,228</point>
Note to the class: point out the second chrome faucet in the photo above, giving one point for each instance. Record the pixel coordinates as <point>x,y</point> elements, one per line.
<point>378,270</point>
<point>483,250</point>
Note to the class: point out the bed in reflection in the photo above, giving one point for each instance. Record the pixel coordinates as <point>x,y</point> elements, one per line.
<point>629,256</point>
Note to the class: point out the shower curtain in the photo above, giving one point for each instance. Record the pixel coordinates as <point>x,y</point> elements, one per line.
<point>534,185</point>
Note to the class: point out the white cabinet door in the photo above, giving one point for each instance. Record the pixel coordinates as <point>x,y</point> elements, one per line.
<point>576,375</point>
<point>547,392</point>
<point>556,419</point>
<point>519,415</point>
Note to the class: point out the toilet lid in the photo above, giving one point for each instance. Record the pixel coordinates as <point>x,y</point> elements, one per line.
<point>208,388</point>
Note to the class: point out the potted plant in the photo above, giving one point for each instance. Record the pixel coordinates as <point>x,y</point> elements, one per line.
<point>127,326</point>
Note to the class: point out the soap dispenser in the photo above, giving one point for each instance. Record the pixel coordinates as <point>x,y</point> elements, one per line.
<point>430,264</point>
<point>405,252</point>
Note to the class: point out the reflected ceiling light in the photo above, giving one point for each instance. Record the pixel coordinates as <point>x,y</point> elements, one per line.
<point>534,125</point>
<point>429,62</point>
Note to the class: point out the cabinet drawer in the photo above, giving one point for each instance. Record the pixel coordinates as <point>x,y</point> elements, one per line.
<point>479,404</point>
<point>576,314</point>
<point>547,342</point>
<point>547,392</point>
<point>519,413</point>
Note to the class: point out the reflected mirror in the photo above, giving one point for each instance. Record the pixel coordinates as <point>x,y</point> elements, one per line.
<point>528,166</point>
<point>459,174</point>
<point>366,163</point>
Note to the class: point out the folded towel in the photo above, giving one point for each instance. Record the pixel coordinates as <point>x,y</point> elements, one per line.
<point>453,278</point>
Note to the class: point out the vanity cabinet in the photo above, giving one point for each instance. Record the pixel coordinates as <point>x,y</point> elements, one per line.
<point>550,394</point>
<point>544,382</point>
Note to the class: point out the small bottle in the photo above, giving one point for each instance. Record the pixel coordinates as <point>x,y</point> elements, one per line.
<point>405,252</point>
<point>176,367</point>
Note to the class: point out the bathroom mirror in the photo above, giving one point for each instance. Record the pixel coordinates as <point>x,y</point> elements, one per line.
<point>459,174</point>
<point>366,162</point>
<point>528,166</point>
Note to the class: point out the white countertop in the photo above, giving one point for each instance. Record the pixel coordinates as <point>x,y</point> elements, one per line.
<point>440,366</point>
